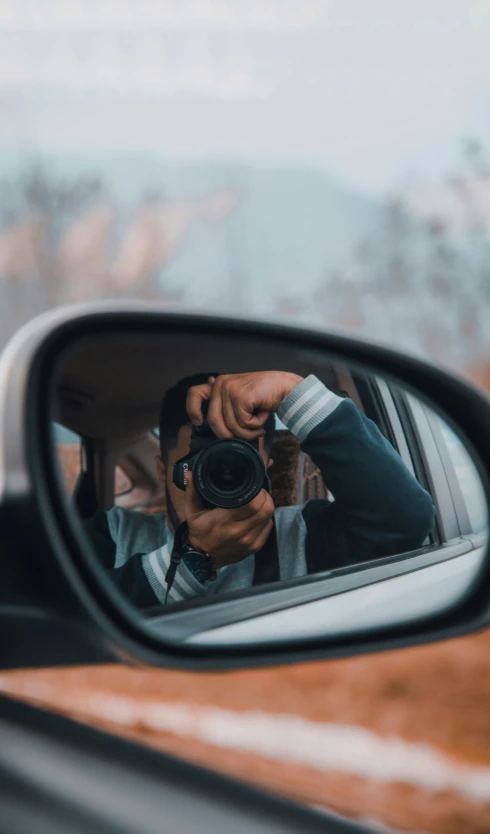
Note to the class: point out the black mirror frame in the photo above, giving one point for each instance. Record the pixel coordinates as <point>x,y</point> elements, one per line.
<point>45,571</point>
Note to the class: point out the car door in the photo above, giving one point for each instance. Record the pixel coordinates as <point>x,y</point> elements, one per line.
<point>62,777</point>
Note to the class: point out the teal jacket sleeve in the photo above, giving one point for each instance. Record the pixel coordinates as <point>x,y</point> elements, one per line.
<point>380,509</point>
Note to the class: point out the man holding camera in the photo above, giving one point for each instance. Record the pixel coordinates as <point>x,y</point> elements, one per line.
<point>193,550</point>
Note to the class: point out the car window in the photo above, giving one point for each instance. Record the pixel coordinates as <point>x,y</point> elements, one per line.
<point>69,448</point>
<point>468,478</point>
<point>133,489</point>
<point>123,484</point>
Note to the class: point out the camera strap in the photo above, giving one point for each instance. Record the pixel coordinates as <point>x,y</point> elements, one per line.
<point>176,555</point>
<point>171,511</point>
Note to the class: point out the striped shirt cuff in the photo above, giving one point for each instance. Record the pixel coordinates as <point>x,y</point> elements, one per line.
<point>307,406</point>
<point>184,586</point>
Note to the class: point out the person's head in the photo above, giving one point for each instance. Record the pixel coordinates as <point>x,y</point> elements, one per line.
<point>175,436</point>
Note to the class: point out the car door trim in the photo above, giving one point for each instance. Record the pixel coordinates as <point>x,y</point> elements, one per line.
<point>205,614</point>
<point>453,483</point>
<point>389,604</point>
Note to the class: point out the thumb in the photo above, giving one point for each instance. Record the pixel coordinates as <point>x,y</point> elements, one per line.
<point>196,396</point>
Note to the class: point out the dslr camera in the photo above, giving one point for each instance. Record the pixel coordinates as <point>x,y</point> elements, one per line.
<point>227,472</point>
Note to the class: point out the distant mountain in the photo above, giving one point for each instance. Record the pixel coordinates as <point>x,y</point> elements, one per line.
<point>266,240</point>
<point>288,225</point>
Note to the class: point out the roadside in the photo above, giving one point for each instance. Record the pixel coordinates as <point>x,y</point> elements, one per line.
<point>410,730</point>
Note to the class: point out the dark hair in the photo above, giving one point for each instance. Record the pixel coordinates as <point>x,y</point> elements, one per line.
<point>173,414</point>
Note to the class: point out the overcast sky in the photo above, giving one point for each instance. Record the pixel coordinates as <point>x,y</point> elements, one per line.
<point>374,91</point>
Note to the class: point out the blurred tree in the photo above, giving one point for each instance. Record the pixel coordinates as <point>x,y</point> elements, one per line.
<point>60,242</point>
<point>423,279</point>
<point>476,157</point>
<point>35,211</point>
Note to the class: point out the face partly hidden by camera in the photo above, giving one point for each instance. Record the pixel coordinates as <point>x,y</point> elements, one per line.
<point>203,471</point>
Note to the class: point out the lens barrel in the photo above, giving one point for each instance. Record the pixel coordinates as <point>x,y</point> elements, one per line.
<point>228,473</point>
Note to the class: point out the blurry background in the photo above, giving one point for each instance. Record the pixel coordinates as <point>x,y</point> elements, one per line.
<point>315,160</point>
<point>327,161</point>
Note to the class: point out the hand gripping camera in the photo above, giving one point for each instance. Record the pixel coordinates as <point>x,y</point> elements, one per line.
<point>227,472</point>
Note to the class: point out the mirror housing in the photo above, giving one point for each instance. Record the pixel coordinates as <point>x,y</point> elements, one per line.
<point>45,576</point>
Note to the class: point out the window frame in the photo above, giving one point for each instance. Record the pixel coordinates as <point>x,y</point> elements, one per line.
<point>430,466</point>
<point>460,503</point>
<point>407,444</point>
<point>81,450</point>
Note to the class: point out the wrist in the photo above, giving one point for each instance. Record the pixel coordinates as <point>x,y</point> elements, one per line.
<point>218,561</point>
<point>291,381</point>
<point>307,405</point>
<point>194,556</point>
<point>216,558</point>
<point>195,542</point>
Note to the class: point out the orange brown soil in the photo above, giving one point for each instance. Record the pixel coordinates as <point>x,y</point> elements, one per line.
<point>438,695</point>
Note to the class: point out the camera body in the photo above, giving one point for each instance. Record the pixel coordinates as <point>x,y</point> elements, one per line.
<point>227,472</point>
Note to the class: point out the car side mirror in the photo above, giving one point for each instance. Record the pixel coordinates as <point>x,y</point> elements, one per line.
<point>337,503</point>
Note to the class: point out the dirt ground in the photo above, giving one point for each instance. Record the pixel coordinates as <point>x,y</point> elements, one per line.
<point>436,695</point>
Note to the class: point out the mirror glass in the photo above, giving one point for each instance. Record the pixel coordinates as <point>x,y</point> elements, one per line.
<point>234,490</point>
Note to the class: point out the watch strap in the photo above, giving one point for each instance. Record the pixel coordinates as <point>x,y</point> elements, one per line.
<point>196,560</point>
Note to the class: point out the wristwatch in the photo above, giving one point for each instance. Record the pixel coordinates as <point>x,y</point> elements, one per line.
<point>197,561</point>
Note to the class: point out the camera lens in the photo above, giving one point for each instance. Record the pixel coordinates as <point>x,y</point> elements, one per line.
<point>228,471</point>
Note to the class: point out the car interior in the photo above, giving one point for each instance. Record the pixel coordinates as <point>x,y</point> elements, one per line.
<point>109,393</point>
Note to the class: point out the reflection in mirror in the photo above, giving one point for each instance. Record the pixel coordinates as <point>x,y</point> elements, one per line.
<point>205,467</point>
